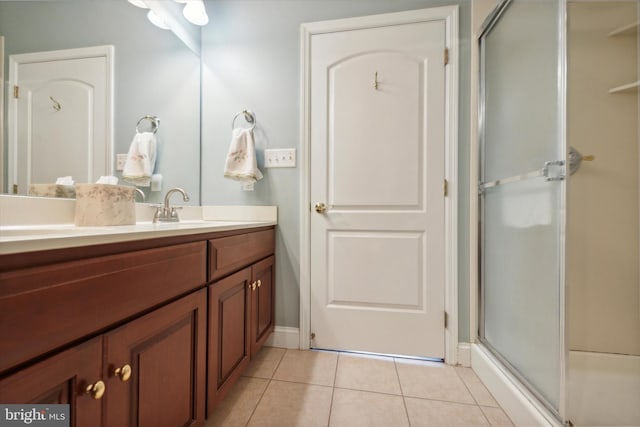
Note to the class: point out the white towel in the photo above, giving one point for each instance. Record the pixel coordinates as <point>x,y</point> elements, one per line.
<point>529,205</point>
<point>109,179</point>
<point>64,180</point>
<point>141,159</point>
<point>241,164</point>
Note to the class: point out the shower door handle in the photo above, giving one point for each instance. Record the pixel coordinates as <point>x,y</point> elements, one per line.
<point>552,170</point>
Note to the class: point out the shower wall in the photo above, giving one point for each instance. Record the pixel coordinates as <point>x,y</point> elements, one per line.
<point>602,235</point>
<point>603,280</point>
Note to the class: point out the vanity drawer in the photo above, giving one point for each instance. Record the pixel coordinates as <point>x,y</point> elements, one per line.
<point>46,307</point>
<point>229,254</point>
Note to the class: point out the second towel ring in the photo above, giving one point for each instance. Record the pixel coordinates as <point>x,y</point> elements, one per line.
<point>155,123</point>
<point>248,116</point>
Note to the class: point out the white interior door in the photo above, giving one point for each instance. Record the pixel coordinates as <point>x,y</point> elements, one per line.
<point>61,123</point>
<point>377,148</point>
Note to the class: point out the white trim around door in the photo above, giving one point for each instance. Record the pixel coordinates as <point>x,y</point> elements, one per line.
<point>448,14</point>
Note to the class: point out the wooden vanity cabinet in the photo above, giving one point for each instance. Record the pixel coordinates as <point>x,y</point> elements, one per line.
<point>61,379</point>
<point>229,341</point>
<point>71,324</point>
<point>137,325</point>
<point>165,351</point>
<point>262,303</point>
<point>241,312</point>
<point>164,384</point>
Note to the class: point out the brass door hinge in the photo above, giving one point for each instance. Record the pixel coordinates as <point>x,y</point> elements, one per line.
<point>16,91</point>
<point>445,188</point>
<point>446,56</point>
<point>446,320</point>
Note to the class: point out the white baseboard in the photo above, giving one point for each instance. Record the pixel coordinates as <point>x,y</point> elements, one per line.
<point>464,354</point>
<point>517,402</point>
<point>284,337</point>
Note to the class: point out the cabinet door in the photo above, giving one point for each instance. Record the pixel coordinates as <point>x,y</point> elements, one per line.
<point>262,303</point>
<point>165,351</point>
<point>229,343</point>
<point>62,378</point>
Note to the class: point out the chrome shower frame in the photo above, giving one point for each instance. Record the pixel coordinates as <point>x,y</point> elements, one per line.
<point>561,412</point>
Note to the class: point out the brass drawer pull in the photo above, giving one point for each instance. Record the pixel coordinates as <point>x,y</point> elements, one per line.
<point>124,373</point>
<point>96,390</point>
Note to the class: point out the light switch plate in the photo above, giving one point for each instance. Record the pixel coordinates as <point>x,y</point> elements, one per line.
<point>280,158</point>
<point>121,159</point>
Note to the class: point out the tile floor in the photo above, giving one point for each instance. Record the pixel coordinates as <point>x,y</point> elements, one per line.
<point>312,388</point>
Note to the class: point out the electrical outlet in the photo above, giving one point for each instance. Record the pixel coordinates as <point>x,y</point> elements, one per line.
<point>121,159</point>
<point>280,158</point>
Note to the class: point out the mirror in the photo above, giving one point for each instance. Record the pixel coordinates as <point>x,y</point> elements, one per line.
<point>154,74</point>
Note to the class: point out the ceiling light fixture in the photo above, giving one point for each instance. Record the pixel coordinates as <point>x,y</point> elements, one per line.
<point>156,20</point>
<point>194,12</point>
<point>139,3</point>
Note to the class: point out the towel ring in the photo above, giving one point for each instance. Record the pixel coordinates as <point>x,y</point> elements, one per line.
<point>155,123</point>
<point>248,116</point>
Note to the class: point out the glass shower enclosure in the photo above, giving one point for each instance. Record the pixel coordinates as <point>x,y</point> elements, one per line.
<point>558,199</point>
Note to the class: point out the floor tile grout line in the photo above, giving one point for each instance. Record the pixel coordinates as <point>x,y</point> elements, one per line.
<point>479,382</point>
<point>472,396</point>
<point>258,402</point>
<point>404,402</point>
<point>278,380</point>
<point>443,400</point>
<point>367,391</point>
<point>265,389</point>
<point>333,389</point>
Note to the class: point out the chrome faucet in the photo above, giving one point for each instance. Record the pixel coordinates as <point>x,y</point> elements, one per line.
<point>166,212</point>
<point>141,193</point>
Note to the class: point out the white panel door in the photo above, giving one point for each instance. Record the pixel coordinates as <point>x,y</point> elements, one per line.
<point>377,164</point>
<point>62,119</point>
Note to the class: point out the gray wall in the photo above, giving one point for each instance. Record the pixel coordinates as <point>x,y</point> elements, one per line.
<point>251,59</point>
<point>154,73</point>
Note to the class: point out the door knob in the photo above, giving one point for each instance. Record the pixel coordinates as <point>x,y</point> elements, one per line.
<point>96,390</point>
<point>320,208</point>
<point>124,373</point>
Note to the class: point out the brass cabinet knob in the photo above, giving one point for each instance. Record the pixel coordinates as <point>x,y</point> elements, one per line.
<point>320,207</point>
<point>259,283</point>
<point>96,390</point>
<point>124,373</point>
<point>253,286</point>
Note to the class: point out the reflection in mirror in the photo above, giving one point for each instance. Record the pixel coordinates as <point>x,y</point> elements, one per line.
<point>154,74</point>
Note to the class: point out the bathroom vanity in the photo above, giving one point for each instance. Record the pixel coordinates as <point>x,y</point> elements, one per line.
<point>146,330</point>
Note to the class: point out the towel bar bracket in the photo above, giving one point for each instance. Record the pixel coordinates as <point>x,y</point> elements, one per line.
<point>155,123</point>
<point>249,116</point>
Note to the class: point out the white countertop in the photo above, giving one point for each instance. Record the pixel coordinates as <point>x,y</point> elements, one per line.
<point>33,235</point>
<point>14,239</point>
